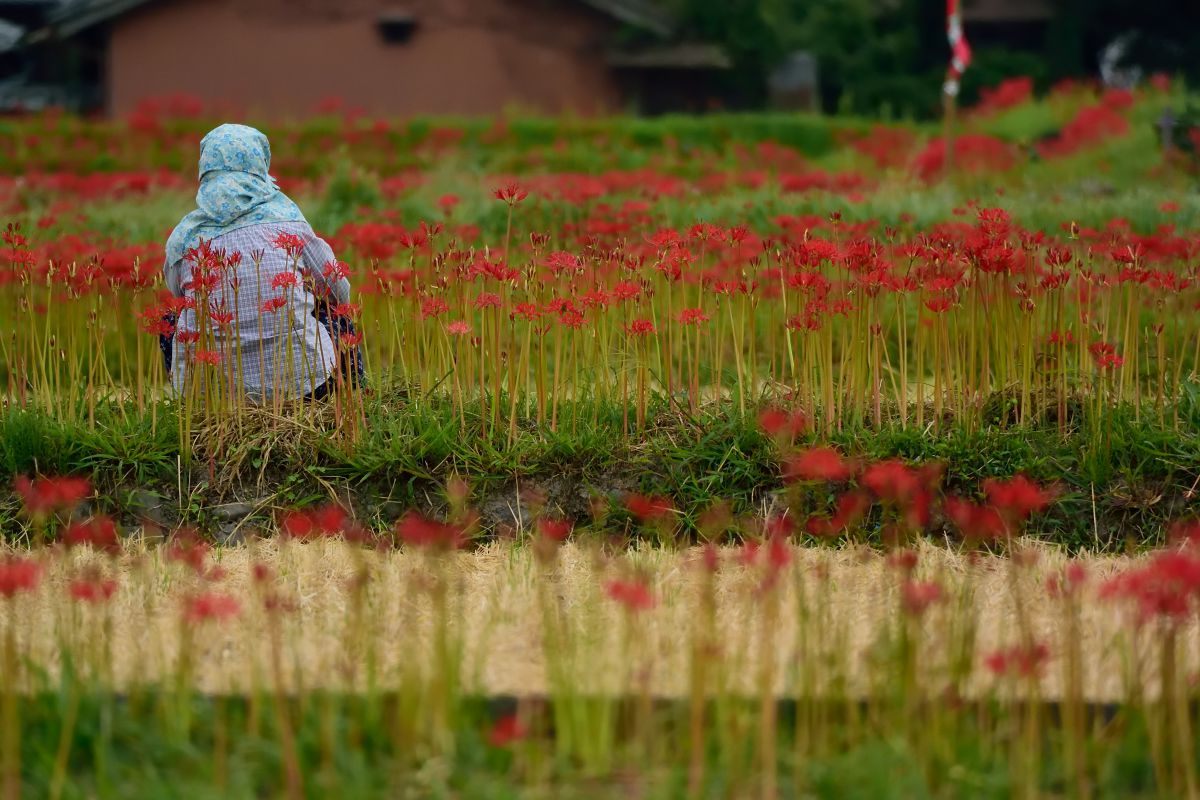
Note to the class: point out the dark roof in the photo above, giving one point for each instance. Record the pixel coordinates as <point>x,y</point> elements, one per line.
<point>73,16</point>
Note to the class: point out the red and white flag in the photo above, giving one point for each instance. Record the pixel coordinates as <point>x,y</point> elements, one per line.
<point>960,51</point>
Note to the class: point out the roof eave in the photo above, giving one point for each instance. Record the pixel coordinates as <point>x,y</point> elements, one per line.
<point>639,13</point>
<point>71,19</point>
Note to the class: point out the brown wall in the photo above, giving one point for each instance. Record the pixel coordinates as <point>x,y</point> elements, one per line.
<point>283,57</point>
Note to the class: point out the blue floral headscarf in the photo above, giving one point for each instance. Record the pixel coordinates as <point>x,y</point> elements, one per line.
<point>236,189</point>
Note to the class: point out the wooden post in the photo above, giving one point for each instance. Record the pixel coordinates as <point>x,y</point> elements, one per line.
<point>949,115</point>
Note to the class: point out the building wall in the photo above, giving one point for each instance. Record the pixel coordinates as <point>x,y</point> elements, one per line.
<point>283,57</point>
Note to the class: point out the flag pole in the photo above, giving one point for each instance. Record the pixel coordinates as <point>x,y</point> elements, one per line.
<point>960,56</point>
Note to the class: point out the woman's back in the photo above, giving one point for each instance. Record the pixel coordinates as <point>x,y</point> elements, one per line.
<point>253,305</point>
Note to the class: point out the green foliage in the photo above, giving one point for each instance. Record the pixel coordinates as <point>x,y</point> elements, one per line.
<point>992,65</point>
<point>349,189</point>
<point>31,442</point>
<point>1122,479</point>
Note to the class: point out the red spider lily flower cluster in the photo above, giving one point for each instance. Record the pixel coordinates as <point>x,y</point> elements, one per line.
<point>507,731</point>
<point>817,464</point>
<point>917,597</point>
<point>92,588</point>
<point>649,509</point>
<point>633,594</point>
<point>908,493</point>
<point>554,529</point>
<point>98,532</point>
<point>782,425</point>
<point>188,548</point>
<point>47,495</point>
<point>1018,660</point>
<point>326,521</point>
<point>416,530</point>
<point>1164,590</point>
<point>1067,582</point>
<point>210,607</point>
<point>18,575</point>
<point>1009,504</point>
<point>511,193</point>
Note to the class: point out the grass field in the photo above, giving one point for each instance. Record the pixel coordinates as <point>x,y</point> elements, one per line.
<point>762,455</point>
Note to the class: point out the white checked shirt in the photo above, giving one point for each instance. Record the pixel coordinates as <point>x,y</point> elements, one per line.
<point>285,350</point>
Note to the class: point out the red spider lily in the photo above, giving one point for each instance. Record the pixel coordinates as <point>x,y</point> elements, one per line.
<point>210,606</point>
<point>262,573</point>
<point>779,526</point>
<point>627,291</point>
<point>334,271</point>
<point>327,520</point>
<point>849,511</point>
<point>633,595</point>
<point>458,328</point>
<point>902,560</point>
<point>648,509</point>
<point>977,522</point>
<point>285,280</point>
<point>99,532</point>
<point>92,589</point>
<point>189,549</point>
<point>1186,532</point>
<point>1025,661</point>
<point>692,316</point>
<point>487,300</point>
<point>560,262</point>
<point>1068,581</point>
<point>973,153</point>
<point>510,193</point>
<point>210,357</point>
<point>1006,94</point>
<point>779,553</point>
<point>222,319</point>
<point>640,327</point>
<point>272,305</point>
<point>18,575</point>
<point>748,553</point>
<point>1105,355</point>
<point>289,243</point>
<point>434,307</point>
<point>418,531</point>
<point>916,597</point>
<point>816,464</point>
<point>1165,589</point>
<point>780,424</point>
<point>1018,497</point>
<point>154,324</point>
<point>554,530</point>
<point>506,731</point>
<point>350,340</point>
<point>526,311</point>
<point>348,310</point>
<point>892,481</point>
<point>45,495</point>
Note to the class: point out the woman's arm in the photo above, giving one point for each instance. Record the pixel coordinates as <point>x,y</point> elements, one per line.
<point>317,257</point>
